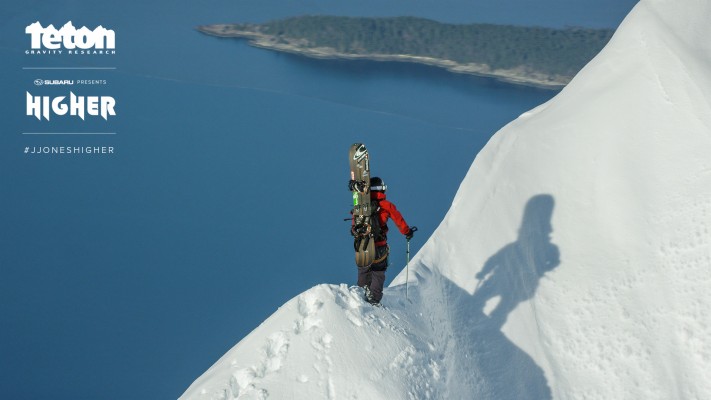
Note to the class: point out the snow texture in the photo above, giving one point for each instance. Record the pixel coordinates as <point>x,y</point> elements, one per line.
<point>574,263</point>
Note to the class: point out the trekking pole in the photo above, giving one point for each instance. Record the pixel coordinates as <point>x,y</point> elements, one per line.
<point>407,265</point>
<point>407,270</point>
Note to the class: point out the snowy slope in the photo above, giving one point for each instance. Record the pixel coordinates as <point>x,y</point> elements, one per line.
<point>327,343</point>
<point>574,263</point>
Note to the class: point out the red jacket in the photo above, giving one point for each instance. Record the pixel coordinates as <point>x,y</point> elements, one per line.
<point>388,210</point>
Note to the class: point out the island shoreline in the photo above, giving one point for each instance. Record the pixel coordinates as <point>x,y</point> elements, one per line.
<point>274,43</point>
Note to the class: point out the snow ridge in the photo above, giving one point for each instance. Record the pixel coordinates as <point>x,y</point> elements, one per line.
<point>623,152</point>
<point>335,343</point>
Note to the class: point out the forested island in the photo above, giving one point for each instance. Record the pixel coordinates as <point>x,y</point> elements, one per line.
<point>536,56</point>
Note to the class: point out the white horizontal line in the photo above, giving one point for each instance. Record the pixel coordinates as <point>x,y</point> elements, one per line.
<point>68,67</point>
<point>68,133</point>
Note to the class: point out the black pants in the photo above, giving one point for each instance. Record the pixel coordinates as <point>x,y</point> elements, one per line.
<point>373,276</point>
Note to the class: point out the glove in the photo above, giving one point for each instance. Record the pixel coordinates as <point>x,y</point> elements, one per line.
<point>411,233</point>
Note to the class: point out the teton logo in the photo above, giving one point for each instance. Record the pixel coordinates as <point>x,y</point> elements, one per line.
<point>50,40</point>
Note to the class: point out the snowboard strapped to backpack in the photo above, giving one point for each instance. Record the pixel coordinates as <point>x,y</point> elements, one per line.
<point>366,227</point>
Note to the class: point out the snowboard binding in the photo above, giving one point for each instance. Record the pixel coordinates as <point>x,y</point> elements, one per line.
<point>362,234</point>
<point>358,186</point>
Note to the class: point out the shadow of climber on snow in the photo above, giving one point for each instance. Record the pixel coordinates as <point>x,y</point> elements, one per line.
<point>483,363</point>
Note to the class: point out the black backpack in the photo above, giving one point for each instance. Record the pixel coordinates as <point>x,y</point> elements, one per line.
<point>378,234</point>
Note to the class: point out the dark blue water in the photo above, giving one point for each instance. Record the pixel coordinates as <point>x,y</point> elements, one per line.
<point>127,276</point>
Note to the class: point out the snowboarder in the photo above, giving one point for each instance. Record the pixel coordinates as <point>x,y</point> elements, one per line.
<point>372,277</point>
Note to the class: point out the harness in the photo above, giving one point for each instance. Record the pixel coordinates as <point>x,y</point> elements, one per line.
<point>385,255</point>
